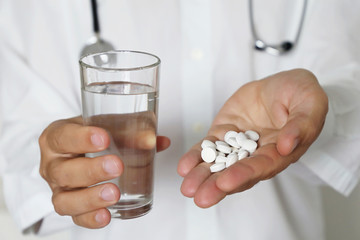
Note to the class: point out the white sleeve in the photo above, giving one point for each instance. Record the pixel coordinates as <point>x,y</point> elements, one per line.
<point>26,110</point>
<point>328,48</point>
<point>335,156</point>
<point>28,103</point>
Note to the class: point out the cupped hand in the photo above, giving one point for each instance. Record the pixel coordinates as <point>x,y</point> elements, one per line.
<point>72,176</point>
<point>287,109</point>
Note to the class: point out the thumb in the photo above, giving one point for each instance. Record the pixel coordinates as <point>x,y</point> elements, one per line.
<point>289,138</point>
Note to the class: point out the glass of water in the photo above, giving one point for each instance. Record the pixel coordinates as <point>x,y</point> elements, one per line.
<point>120,94</point>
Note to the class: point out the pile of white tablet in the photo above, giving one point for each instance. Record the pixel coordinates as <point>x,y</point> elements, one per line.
<point>236,146</point>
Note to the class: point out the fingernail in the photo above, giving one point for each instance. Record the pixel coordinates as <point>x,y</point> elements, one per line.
<point>99,217</point>
<point>97,140</point>
<point>111,166</point>
<point>108,194</point>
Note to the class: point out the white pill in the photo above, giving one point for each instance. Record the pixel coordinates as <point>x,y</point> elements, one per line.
<point>208,154</point>
<point>241,141</point>
<point>249,145</point>
<point>235,150</point>
<point>221,154</point>
<point>231,159</point>
<point>221,143</point>
<point>240,136</point>
<point>217,167</point>
<point>220,159</point>
<point>252,135</point>
<point>232,142</point>
<point>208,143</point>
<point>242,154</point>
<point>230,134</point>
<point>224,148</point>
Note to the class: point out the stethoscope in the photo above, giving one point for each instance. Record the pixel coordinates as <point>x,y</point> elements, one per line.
<point>277,49</point>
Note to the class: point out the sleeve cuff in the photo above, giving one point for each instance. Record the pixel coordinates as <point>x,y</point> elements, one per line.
<point>33,210</point>
<point>332,157</point>
<point>331,172</point>
<point>38,216</point>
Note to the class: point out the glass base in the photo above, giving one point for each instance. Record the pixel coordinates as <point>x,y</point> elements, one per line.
<point>124,212</point>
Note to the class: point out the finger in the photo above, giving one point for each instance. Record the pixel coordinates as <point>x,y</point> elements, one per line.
<point>208,193</point>
<point>85,200</point>
<point>83,172</point>
<point>162,143</point>
<point>194,179</point>
<point>288,138</point>
<point>236,178</point>
<point>145,139</point>
<point>75,138</point>
<point>192,158</point>
<point>188,161</point>
<point>220,128</point>
<point>93,220</point>
<point>264,164</point>
<point>300,129</point>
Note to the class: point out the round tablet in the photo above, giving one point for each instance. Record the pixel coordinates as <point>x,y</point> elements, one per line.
<point>231,159</point>
<point>252,135</point>
<point>221,154</point>
<point>208,154</point>
<point>249,145</point>
<point>220,159</point>
<point>232,142</point>
<point>242,154</point>
<point>207,143</point>
<point>217,167</point>
<point>224,149</point>
<point>230,134</point>
<point>221,143</point>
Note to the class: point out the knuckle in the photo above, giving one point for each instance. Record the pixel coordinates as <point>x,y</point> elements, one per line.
<point>58,201</point>
<point>58,130</point>
<point>43,167</point>
<point>77,220</point>
<point>56,139</point>
<point>49,137</point>
<point>312,130</point>
<point>42,172</point>
<point>59,176</point>
<point>43,138</point>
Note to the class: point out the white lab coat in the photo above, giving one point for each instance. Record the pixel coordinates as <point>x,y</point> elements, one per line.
<point>206,52</point>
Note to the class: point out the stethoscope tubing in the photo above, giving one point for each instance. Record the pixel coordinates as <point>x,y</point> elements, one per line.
<point>95,17</point>
<point>284,46</point>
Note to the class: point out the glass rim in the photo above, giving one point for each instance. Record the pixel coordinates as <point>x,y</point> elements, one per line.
<point>86,65</point>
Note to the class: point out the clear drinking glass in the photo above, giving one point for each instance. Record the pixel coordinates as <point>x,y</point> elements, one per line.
<point>120,94</point>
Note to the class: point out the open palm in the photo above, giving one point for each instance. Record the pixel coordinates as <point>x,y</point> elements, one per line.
<point>287,109</point>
